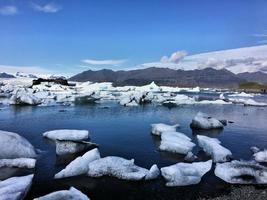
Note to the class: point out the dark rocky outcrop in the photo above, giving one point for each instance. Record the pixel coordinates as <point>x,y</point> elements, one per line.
<point>57,81</point>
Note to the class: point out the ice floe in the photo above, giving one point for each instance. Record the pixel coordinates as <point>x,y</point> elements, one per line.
<point>260,156</point>
<point>15,188</point>
<point>15,146</point>
<point>80,165</point>
<point>121,168</point>
<point>204,121</point>
<point>157,129</point>
<point>182,174</point>
<point>175,142</point>
<point>241,172</point>
<point>71,194</point>
<point>64,147</point>
<point>18,162</point>
<point>242,94</point>
<point>67,134</point>
<point>213,147</point>
<point>23,96</point>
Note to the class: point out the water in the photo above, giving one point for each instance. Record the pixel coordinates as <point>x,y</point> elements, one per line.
<point>125,132</point>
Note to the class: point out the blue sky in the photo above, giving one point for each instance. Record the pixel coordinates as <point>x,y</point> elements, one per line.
<point>70,36</point>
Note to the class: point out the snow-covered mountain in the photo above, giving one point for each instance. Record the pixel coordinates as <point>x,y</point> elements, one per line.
<point>241,60</point>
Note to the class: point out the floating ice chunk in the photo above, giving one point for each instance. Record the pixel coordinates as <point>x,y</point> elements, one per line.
<point>175,142</point>
<point>242,94</point>
<point>212,147</point>
<point>79,166</point>
<point>182,174</point>
<point>204,121</point>
<point>121,168</point>
<point>18,162</point>
<point>241,172</point>
<point>157,129</point>
<point>254,149</point>
<point>70,147</point>
<point>190,157</point>
<point>261,156</point>
<point>251,102</point>
<point>23,96</point>
<point>71,194</point>
<point>67,134</point>
<point>222,97</point>
<point>132,103</point>
<point>15,146</point>
<point>15,188</point>
<point>180,99</point>
<point>150,87</point>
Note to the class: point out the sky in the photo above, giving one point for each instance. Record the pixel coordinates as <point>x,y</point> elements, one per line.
<point>70,36</point>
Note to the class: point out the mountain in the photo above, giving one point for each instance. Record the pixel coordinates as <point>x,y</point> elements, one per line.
<point>254,77</point>
<point>5,75</point>
<point>207,77</point>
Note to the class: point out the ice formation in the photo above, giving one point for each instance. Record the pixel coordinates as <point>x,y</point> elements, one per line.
<point>175,142</point>
<point>67,134</point>
<point>79,166</point>
<point>23,96</point>
<point>71,194</point>
<point>260,156</point>
<point>18,162</point>
<point>241,172</point>
<point>121,168</point>
<point>15,146</point>
<point>182,174</point>
<point>70,147</point>
<point>15,188</point>
<point>204,121</point>
<point>213,147</point>
<point>157,129</point>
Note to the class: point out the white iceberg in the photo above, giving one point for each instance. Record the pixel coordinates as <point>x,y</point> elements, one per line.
<point>67,134</point>
<point>242,94</point>
<point>121,168</point>
<point>23,96</point>
<point>18,162</point>
<point>182,174</point>
<point>79,166</point>
<point>64,147</point>
<point>213,147</point>
<point>71,194</point>
<point>241,172</point>
<point>176,142</point>
<point>15,146</point>
<point>157,129</point>
<point>15,188</point>
<point>204,121</point>
<point>251,102</point>
<point>261,156</point>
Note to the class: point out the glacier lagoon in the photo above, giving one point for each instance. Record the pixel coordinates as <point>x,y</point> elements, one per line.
<point>125,131</point>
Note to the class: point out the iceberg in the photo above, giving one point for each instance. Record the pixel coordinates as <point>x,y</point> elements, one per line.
<point>15,188</point>
<point>18,162</point>
<point>15,146</point>
<point>67,134</point>
<point>204,121</point>
<point>251,102</point>
<point>23,96</point>
<point>71,194</point>
<point>261,156</point>
<point>212,147</point>
<point>242,94</point>
<point>241,172</point>
<point>182,174</point>
<point>64,147</point>
<point>121,168</point>
<point>175,142</point>
<point>79,166</point>
<point>157,129</point>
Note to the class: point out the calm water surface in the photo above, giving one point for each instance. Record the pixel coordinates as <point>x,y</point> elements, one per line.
<point>125,132</point>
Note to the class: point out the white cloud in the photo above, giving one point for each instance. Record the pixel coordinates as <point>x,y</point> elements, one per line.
<point>47,8</point>
<point>103,62</point>
<point>175,57</point>
<point>260,35</point>
<point>8,10</point>
<point>25,69</point>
